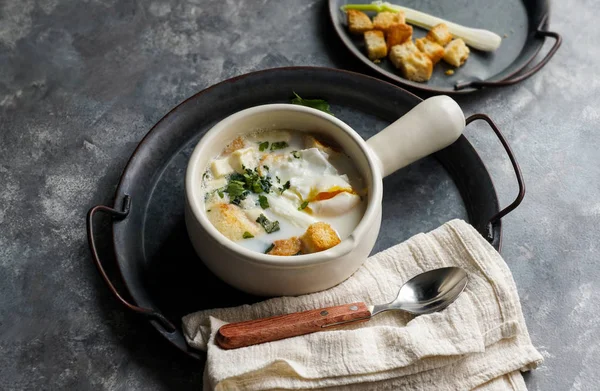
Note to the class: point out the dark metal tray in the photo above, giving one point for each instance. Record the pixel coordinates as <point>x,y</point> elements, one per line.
<point>158,265</point>
<point>524,22</point>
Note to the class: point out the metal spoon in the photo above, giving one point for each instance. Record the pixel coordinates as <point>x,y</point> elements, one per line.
<point>425,293</point>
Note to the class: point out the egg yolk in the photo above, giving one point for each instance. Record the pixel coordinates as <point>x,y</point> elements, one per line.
<point>325,195</point>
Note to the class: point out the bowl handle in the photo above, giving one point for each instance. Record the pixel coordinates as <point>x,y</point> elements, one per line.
<point>428,127</point>
<point>119,214</point>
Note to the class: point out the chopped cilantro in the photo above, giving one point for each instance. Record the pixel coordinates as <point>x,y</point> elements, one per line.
<point>269,226</point>
<point>279,145</point>
<point>271,247</point>
<point>235,188</point>
<point>236,177</point>
<point>285,187</point>
<point>278,180</point>
<point>263,201</point>
<point>263,146</point>
<point>240,185</point>
<point>296,154</point>
<point>240,198</point>
<point>220,193</point>
<point>247,235</point>
<point>266,168</point>
<point>303,205</point>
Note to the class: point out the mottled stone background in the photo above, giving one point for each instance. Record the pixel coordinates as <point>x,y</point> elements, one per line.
<point>81,81</point>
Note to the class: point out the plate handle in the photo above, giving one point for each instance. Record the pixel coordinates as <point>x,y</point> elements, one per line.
<point>530,72</point>
<point>515,165</point>
<point>119,215</point>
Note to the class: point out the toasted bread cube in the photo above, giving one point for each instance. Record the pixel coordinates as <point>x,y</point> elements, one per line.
<point>398,34</point>
<point>358,22</point>
<point>413,64</point>
<point>231,221</point>
<point>384,20</point>
<point>404,49</point>
<point>440,34</point>
<point>431,49</point>
<point>221,167</point>
<point>216,183</point>
<point>284,247</point>
<point>236,144</point>
<point>243,159</point>
<point>319,237</point>
<point>376,47</point>
<point>269,160</point>
<point>456,52</point>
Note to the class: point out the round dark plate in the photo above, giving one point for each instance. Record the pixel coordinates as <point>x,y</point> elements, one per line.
<point>153,252</point>
<point>521,23</point>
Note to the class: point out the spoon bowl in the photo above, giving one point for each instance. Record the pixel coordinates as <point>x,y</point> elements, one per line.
<point>428,292</point>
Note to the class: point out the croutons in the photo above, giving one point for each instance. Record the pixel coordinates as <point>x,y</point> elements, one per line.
<point>231,221</point>
<point>358,22</point>
<point>221,167</point>
<point>384,20</point>
<point>236,144</point>
<point>376,47</point>
<point>216,183</point>
<point>431,49</point>
<point>413,64</point>
<point>243,159</point>
<point>269,160</point>
<point>456,52</point>
<point>319,237</point>
<point>284,247</point>
<point>440,34</point>
<point>398,34</point>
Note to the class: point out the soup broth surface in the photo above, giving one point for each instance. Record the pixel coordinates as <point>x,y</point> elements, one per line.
<point>273,187</point>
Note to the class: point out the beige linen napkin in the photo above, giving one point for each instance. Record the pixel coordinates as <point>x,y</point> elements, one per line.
<point>480,342</point>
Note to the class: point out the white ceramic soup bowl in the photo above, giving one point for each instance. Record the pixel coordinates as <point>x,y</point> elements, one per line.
<point>430,126</point>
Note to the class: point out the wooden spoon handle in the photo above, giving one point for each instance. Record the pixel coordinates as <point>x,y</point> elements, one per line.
<point>252,332</point>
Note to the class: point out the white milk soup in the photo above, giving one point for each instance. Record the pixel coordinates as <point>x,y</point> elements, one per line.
<point>283,193</point>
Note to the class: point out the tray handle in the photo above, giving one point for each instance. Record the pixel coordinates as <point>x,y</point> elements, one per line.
<point>120,215</point>
<point>540,33</point>
<point>515,165</point>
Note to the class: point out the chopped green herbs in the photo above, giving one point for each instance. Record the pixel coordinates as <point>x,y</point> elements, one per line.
<point>285,187</point>
<point>278,180</point>
<point>263,146</point>
<point>318,104</point>
<point>220,193</point>
<point>263,201</point>
<point>268,225</point>
<point>266,168</point>
<point>296,154</point>
<point>303,205</point>
<point>271,247</point>
<point>240,185</point>
<point>279,145</point>
<point>235,188</point>
<point>247,235</point>
<point>238,200</point>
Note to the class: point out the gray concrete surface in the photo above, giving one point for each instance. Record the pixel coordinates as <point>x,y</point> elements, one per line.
<point>82,81</point>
